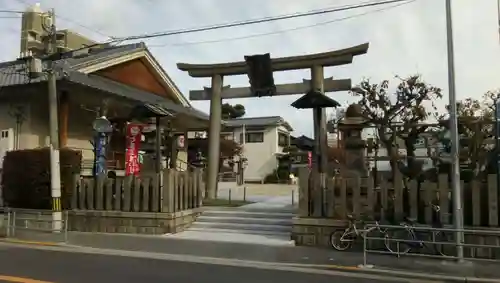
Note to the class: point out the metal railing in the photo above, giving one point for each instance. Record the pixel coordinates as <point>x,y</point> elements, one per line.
<point>430,242</point>
<point>35,225</point>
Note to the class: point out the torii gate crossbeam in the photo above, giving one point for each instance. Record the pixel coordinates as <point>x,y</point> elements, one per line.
<point>314,62</point>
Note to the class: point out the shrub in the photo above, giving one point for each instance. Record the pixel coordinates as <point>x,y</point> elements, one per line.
<point>26,177</point>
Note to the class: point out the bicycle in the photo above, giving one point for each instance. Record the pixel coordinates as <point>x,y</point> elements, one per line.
<point>415,239</point>
<point>343,240</point>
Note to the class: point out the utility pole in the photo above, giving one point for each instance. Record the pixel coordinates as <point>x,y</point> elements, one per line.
<point>55,173</point>
<point>455,174</point>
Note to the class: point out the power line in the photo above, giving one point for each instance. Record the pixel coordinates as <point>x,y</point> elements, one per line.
<point>284,30</point>
<point>240,23</point>
<point>11,12</point>
<point>261,20</point>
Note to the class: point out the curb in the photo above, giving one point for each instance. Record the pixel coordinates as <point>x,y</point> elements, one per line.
<point>370,269</point>
<point>33,243</point>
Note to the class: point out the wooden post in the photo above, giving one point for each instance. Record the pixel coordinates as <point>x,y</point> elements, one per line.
<point>355,195</point>
<point>181,190</point>
<point>303,192</point>
<point>99,192</point>
<point>82,194</point>
<point>413,198</point>
<point>444,200</point>
<point>343,198</point>
<point>108,186</point>
<point>127,192</point>
<point>429,196</point>
<point>475,189</point>
<point>118,194</point>
<point>75,188</point>
<point>155,192</point>
<point>201,187</point>
<point>136,206</point>
<point>168,191</point>
<point>146,182</point>
<point>195,187</point>
<point>90,194</point>
<point>398,195</point>
<point>492,201</point>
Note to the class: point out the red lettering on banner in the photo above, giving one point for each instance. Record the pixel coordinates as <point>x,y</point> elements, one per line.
<point>134,133</point>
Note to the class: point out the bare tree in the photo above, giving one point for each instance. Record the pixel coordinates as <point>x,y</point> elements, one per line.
<point>476,125</point>
<point>398,114</point>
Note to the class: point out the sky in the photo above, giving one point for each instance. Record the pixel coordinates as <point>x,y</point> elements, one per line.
<point>404,40</point>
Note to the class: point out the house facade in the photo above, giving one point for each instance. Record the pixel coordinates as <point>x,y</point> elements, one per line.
<point>262,139</point>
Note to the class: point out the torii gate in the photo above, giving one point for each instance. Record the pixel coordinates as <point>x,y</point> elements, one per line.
<point>217,92</point>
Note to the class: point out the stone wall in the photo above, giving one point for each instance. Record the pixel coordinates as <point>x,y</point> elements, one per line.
<point>315,231</point>
<point>131,222</point>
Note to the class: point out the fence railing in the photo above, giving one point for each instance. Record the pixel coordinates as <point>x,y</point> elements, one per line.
<point>179,190</point>
<point>430,242</point>
<point>393,200</point>
<point>35,225</point>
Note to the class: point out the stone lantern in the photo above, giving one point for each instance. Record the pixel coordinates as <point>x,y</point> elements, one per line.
<point>351,128</point>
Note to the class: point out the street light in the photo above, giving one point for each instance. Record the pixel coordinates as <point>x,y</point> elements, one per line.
<point>455,173</point>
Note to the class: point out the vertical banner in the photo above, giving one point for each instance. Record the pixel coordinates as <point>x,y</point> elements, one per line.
<point>133,136</point>
<point>100,141</point>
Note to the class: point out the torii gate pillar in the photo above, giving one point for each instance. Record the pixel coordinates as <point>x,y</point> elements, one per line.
<point>214,137</point>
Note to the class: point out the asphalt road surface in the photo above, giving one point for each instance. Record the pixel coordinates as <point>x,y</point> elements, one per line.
<point>24,265</point>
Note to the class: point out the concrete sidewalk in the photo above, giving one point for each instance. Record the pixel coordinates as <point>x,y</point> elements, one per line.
<point>300,256</point>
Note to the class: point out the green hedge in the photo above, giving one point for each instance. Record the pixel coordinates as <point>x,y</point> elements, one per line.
<point>26,177</point>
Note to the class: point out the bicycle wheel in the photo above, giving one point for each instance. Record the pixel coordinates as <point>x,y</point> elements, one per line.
<point>340,240</point>
<point>396,247</point>
<point>443,249</point>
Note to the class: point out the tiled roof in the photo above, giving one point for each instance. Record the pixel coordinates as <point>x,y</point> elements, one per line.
<point>14,73</point>
<point>258,121</point>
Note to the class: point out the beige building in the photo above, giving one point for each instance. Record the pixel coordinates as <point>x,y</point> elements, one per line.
<point>34,31</point>
<point>265,139</point>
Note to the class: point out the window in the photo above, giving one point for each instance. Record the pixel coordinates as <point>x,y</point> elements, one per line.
<point>227,136</point>
<point>282,139</point>
<point>253,137</point>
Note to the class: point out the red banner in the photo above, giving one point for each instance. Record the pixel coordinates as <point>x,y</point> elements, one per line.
<point>132,165</point>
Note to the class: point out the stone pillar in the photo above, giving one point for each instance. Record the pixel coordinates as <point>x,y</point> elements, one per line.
<point>319,116</point>
<point>351,128</point>
<point>214,136</point>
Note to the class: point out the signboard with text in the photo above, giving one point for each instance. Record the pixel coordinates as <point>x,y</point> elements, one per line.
<point>133,136</point>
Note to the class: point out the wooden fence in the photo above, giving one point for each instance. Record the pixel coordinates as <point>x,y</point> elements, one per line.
<point>182,190</point>
<point>393,201</point>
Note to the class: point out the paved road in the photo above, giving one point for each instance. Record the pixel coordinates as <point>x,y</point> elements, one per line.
<point>67,267</point>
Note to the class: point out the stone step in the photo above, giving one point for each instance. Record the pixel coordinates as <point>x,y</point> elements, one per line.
<point>244,220</point>
<point>239,226</point>
<point>247,214</point>
<point>277,234</point>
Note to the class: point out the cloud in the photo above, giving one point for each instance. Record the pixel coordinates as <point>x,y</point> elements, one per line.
<point>404,40</point>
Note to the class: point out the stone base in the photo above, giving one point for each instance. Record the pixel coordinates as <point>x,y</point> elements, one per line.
<point>130,222</point>
<point>315,231</point>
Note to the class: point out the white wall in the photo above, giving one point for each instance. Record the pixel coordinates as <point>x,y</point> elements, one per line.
<point>26,137</point>
<point>261,156</point>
